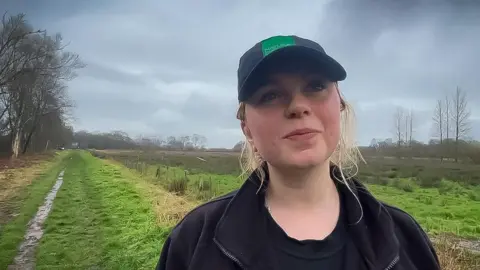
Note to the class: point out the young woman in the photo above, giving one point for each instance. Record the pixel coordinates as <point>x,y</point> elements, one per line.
<point>301,207</point>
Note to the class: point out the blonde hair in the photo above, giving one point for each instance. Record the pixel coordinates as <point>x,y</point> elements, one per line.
<point>345,156</point>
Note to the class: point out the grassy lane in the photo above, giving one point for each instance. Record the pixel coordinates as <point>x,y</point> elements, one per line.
<point>26,203</point>
<point>100,219</point>
<point>72,222</point>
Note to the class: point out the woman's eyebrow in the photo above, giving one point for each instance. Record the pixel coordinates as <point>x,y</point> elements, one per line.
<point>267,82</point>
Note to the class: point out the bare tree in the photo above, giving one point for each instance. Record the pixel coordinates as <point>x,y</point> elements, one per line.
<point>398,125</point>
<point>14,37</point>
<point>408,126</point>
<point>33,69</point>
<point>438,120</point>
<point>411,128</point>
<point>448,116</point>
<point>406,117</point>
<point>199,141</point>
<point>461,118</point>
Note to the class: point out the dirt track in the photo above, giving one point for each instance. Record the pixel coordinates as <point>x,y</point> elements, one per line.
<point>26,253</point>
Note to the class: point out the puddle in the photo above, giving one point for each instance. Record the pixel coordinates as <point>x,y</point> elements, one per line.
<point>25,258</point>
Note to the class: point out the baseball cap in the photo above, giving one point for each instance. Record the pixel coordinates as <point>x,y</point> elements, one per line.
<point>283,51</point>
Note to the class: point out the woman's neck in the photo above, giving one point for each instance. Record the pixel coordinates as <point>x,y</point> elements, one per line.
<point>304,203</point>
<point>307,189</point>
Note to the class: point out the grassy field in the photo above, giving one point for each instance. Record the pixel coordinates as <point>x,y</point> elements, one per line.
<point>440,204</point>
<point>444,198</point>
<point>114,212</point>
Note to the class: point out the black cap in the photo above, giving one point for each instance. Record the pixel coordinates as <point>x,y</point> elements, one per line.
<point>284,49</point>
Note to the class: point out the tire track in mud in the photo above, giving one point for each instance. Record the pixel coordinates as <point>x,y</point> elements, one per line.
<point>25,258</point>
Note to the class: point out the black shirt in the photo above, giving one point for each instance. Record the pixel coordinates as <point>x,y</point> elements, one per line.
<point>328,253</point>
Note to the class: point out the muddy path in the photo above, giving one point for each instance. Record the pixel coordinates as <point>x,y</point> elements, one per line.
<point>25,258</point>
<point>470,245</point>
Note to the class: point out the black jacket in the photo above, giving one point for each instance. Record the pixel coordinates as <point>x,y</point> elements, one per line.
<point>229,233</point>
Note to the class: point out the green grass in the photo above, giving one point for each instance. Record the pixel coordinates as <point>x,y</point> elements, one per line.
<point>437,212</point>
<point>430,172</point>
<point>450,209</point>
<point>438,204</point>
<point>99,219</point>
<point>31,197</point>
<point>200,186</point>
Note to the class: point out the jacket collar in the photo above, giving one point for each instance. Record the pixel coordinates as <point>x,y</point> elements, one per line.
<point>241,232</point>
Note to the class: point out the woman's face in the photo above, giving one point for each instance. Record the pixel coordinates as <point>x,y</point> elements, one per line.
<point>293,120</point>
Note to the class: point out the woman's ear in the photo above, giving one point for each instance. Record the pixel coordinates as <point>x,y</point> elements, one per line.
<point>342,101</point>
<point>246,130</point>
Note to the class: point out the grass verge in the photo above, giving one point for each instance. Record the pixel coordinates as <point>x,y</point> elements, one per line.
<point>15,180</point>
<point>27,200</point>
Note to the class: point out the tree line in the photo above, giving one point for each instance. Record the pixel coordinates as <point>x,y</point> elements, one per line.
<point>121,140</point>
<point>450,137</point>
<point>34,101</point>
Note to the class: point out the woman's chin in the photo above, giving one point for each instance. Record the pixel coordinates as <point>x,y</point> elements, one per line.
<point>306,159</point>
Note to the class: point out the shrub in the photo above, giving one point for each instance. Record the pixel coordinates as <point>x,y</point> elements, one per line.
<point>428,200</point>
<point>447,186</point>
<point>205,195</point>
<point>203,185</point>
<point>405,184</point>
<point>178,185</point>
<point>474,194</point>
<point>392,174</point>
<point>377,180</point>
<point>428,180</point>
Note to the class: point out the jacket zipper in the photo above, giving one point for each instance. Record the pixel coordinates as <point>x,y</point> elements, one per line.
<point>228,254</point>
<point>393,263</point>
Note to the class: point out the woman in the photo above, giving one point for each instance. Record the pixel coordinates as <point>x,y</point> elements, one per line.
<point>301,207</point>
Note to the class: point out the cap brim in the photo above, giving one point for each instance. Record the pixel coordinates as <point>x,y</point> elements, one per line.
<point>286,57</point>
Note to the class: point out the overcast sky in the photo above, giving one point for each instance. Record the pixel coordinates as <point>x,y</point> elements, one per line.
<point>169,67</point>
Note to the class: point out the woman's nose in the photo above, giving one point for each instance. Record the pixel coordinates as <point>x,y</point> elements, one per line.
<point>298,106</point>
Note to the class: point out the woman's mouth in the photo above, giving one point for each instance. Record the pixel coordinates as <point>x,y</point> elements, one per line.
<point>301,134</point>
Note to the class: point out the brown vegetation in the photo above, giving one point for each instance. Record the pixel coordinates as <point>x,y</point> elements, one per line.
<point>453,257</point>
<point>14,177</point>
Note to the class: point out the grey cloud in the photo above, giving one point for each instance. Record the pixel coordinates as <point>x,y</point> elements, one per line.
<point>109,73</point>
<point>170,68</point>
<point>210,111</point>
<point>406,48</point>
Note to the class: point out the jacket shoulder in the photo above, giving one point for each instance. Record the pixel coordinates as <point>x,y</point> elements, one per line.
<point>203,216</point>
<point>405,220</point>
<point>412,237</point>
<point>195,229</point>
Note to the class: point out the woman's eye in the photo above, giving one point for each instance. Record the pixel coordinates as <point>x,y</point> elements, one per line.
<point>268,97</point>
<point>318,85</point>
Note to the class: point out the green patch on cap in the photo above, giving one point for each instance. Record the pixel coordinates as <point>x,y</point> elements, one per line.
<point>274,43</point>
